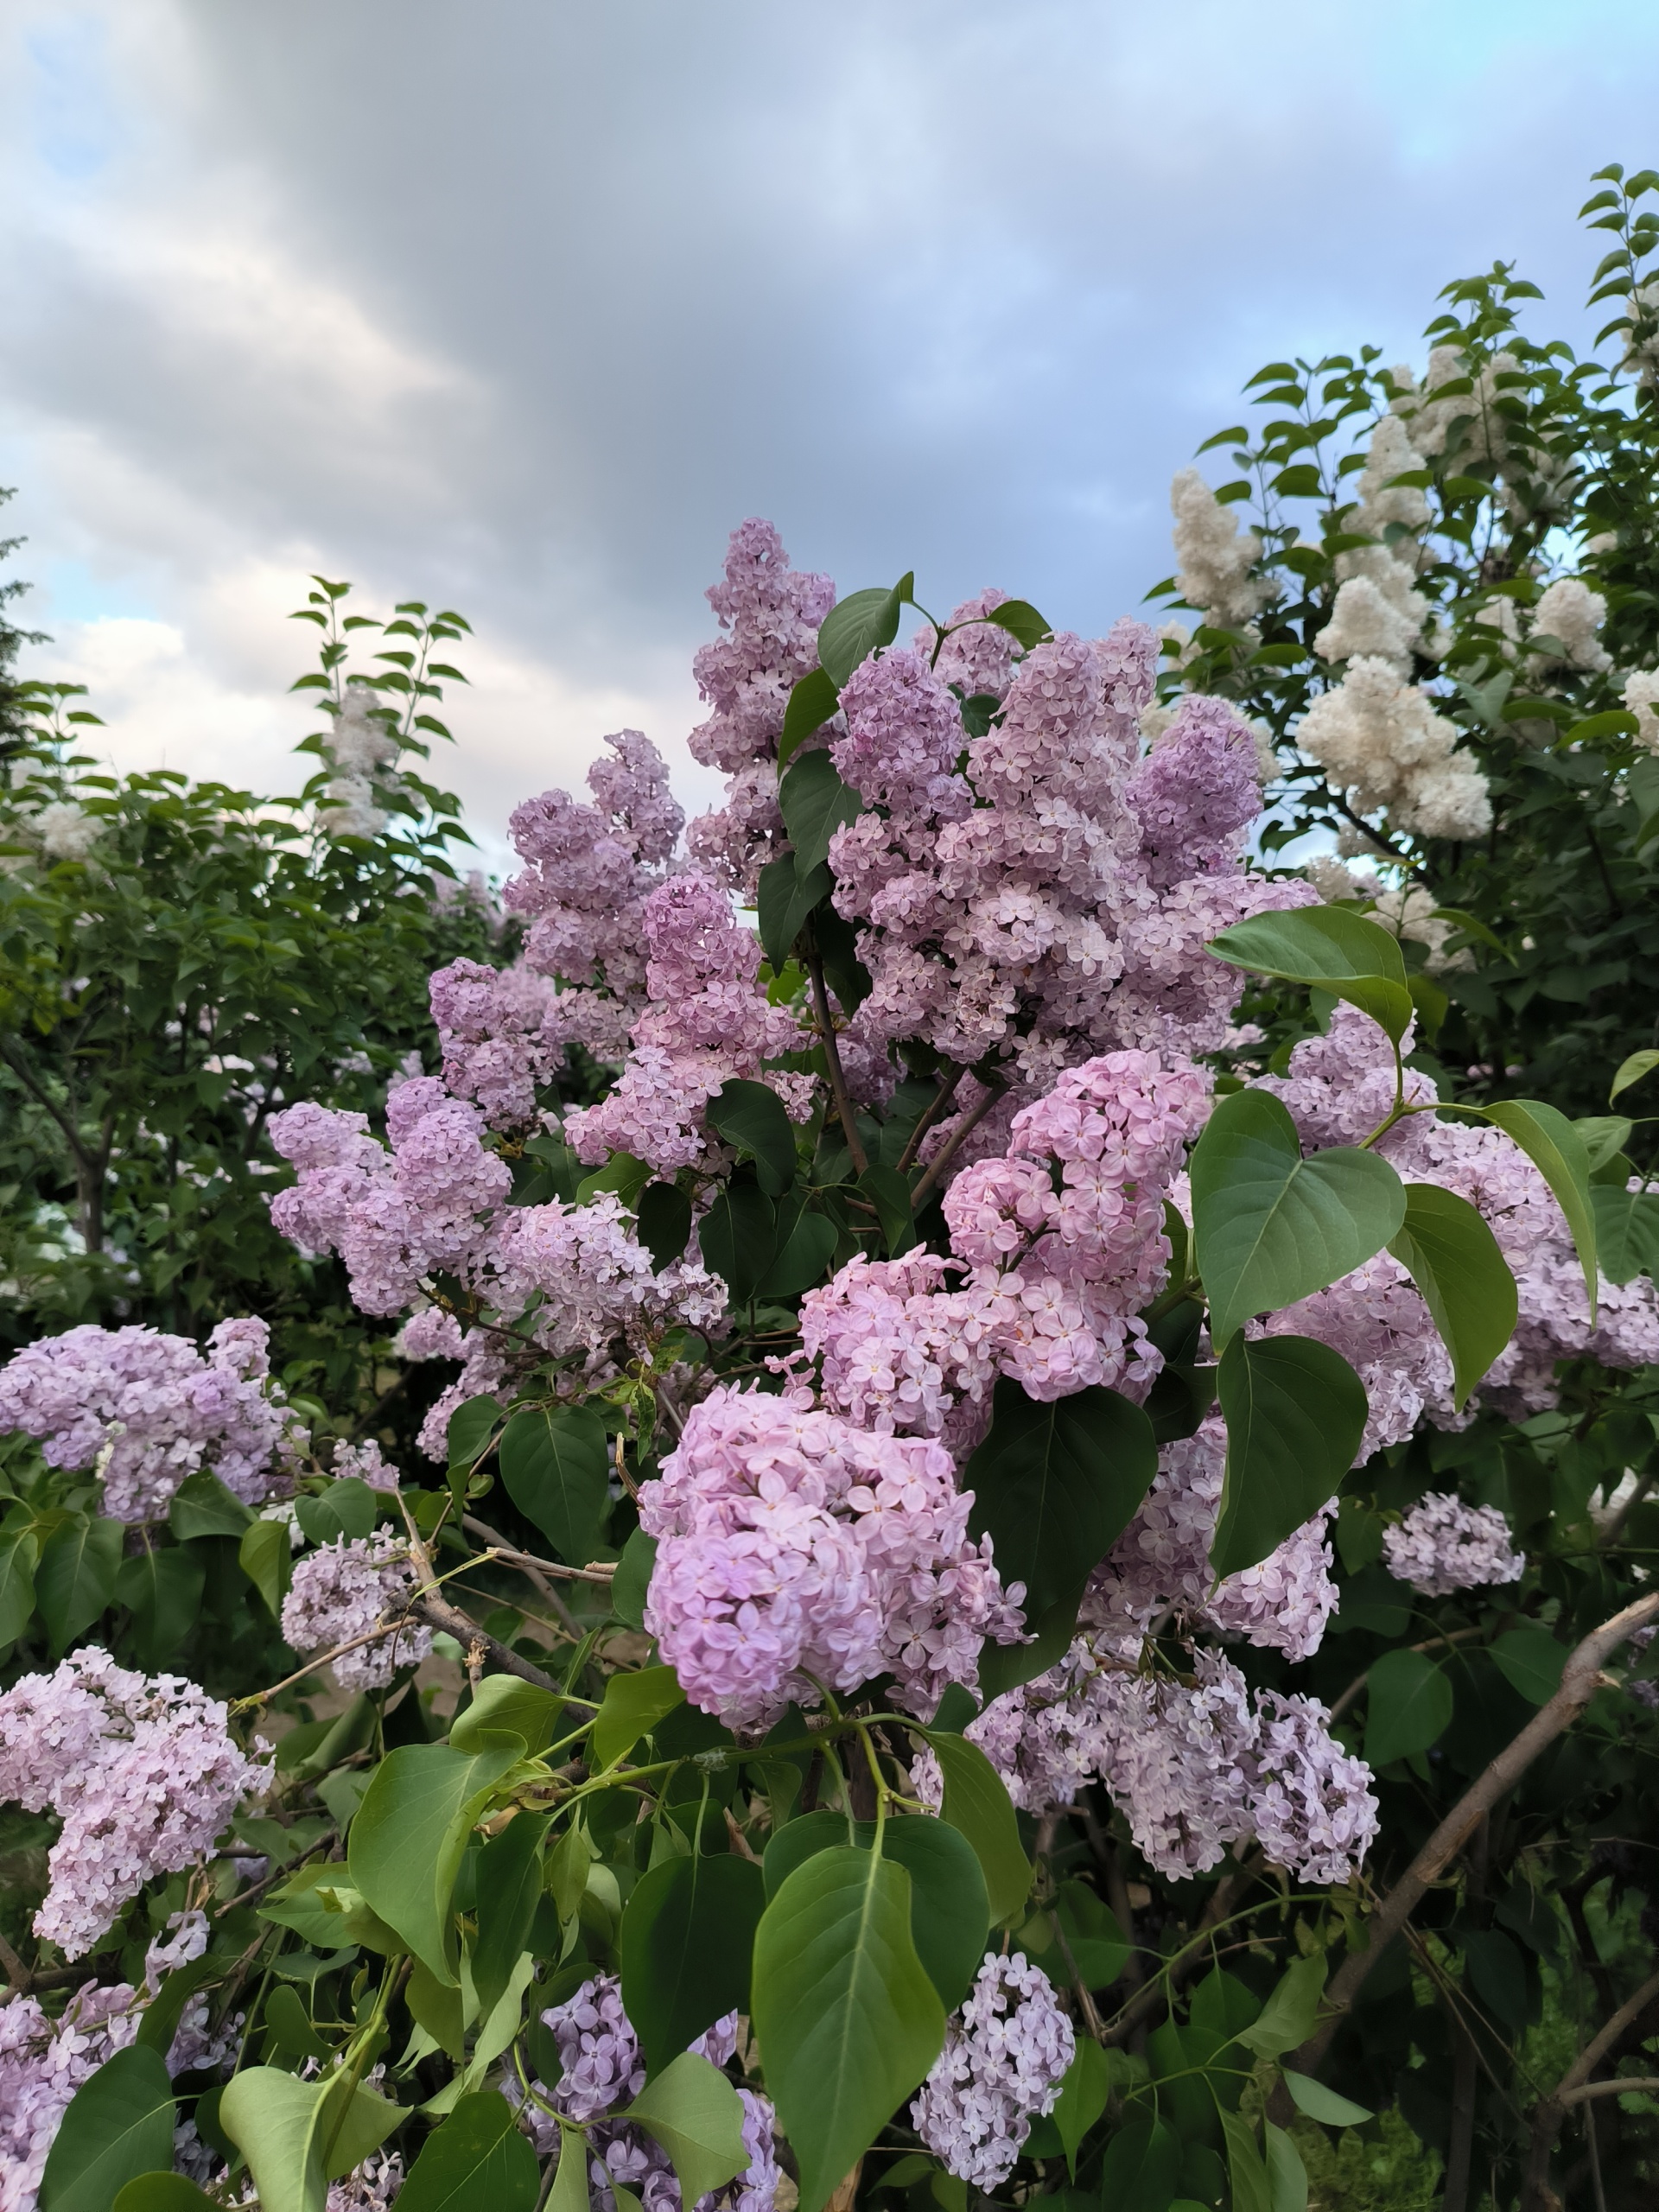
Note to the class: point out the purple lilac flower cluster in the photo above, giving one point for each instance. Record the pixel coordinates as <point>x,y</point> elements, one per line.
<point>603,2068</point>
<point>1006,2051</point>
<point>1441,1545</point>
<point>342,1591</point>
<point>793,1546</point>
<point>140,1768</point>
<point>147,1410</point>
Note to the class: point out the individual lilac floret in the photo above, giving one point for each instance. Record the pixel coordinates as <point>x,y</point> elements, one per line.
<point>342,1591</point>
<point>1443,1545</point>
<point>141,1769</point>
<point>147,1410</point>
<point>792,1544</point>
<point>371,2187</point>
<point>1005,2054</point>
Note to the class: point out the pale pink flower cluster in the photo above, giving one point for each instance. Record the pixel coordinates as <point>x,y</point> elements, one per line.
<point>706,1022</point>
<point>140,1768</point>
<point>147,1410</point>
<point>42,2063</point>
<point>792,1546</point>
<point>769,615</point>
<point>1196,1769</point>
<point>1006,2052</point>
<point>1195,792</point>
<point>1441,1545</point>
<point>504,1034</point>
<point>372,2187</point>
<point>343,1590</point>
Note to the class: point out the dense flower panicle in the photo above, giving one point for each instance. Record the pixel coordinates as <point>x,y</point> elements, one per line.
<point>707,1021</point>
<point>1641,697</point>
<point>1378,613</point>
<point>140,1768</point>
<point>1572,613</point>
<point>1441,1545</point>
<point>1311,1806</point>
<point>67,831</point>
<point>904,733</point>
<point>42,2063</point>
<point>341,1590</point>
<point>147,1410</point>
<point>1215,558</point>
<point>1195,792</point>
<point>1006,2052</point>
<point>364,748</point>
<point>791,1545</point>
<point>504,1034</point>
<point>1379,739</point>
<point>583,1277</point>
<point>977,658</point>
<point>1389,452</point>
<point>601,2065</point>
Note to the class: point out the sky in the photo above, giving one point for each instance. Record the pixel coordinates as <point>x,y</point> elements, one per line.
<point>519,306</point>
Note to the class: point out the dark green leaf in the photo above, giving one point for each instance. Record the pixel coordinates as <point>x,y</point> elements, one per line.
<point>812,703</point>
<point>750,1116</point>
<point>632,1707</point>
<point>804,1258</point>
<point>1082,2097</point>
<point>164,2192</point>
<point>686,1941</point>
<point>1331,948</point>
<point>509,1890</point>
<point>19,1549</point>
<point>478,2158</point>
<point>502,1706</point>
<point>282,2124</point>
<point>664,1216</point>
<point>738,1237</point>
<point>1269,1227</point>
<point>858,626</point>
<point>1453,1258</point>
<point>471,1426</point>
<point>632,1580</point>
<point>556,1467</point>
<point>203,1506</point>
<point>75,1579</point>
<point>1322,2104</point>
<point>1627,1232</point>
<point>783,899</point>
<point>1632,1070</point>
<point>1022,622</point>
<point>1296,1412</point>
<point>814,804</point>
<point>622,1173</point>
<point>1142,2166</point>
<point>162,1590</point>
<point>693,2111</point>
<point>889,1193</point>
<point>348,1508</point>
<point>1056,1484</point>
<point>1531,1660</point>
<point>266,1558</point>
<point>1408,1707</point>
<point>118,2125</point>
<point>848,2020</point>
<point>1291,2011</point>
<point>976,1801</point>
<point>1604,1136</point>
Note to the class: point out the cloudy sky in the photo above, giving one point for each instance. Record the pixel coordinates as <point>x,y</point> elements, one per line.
<point>518,307</point>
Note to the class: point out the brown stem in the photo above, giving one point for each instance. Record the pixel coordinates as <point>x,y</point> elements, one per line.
<point>89,1169</point>
<point>1623,2086</point>
<point>1576,2087</point>
<point>428,1605</point>
<point>935,1106</point>
<point>832,1060</point>
<point>17,1973</point>
<point>948,1151</point>
<point>1581,1679</point>
<point>1460,2146</point>
<point>1613,1528</point>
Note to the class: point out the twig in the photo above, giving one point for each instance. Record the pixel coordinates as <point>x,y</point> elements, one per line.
<point>948,1151</point>
<point>935,1106</point>
<point>1613,1527</point>
<point>17,1973</point>
<point>1456,1636</point>
<point>427,1606</point>
<point>1624,2085</point>
<point>1581,1679</point>
<point>832,1061</point>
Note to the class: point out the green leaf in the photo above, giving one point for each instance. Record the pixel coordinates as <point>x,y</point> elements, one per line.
<point>509,1890</point>
<point>812,702</point>
<point>784,899</point>
<point>694,2112</point>
<point>410,1834</point>
<point>622,1173</point>
<point>632,1707</point>
<point>1604,1136</point>
<point>502,1706</point>
<point>1269,1227</point>
<point>266,1558</point>
<point>291,2031</point>
<point>164,2192</point>
<point>477,2157</point>
<point>1287,2175</point>
<point>949,1912</point>
<point>1296,1412</point>
<point>738,1237</point>
<point>814,804</point>
<point>571,2192</point>
<point>1084,2092</point>
<point>889,1191</point>
<point>803,1259</point>
<point>1291,2012</point>
<point>162,1589</point>
<point>1022,622</point>
<point>664,1217</point>
<point>858,626</point>
<point>117,2124</point>
<point>1331,949</point>
<point>1056,1484</point>
<point>19,1549</point>
<point>848,2020</point>
<point>203,1506</point>
<point>556,1466</point>
<point>687,1937</point>
<point>160,2017</point>
<point>1530,1660</point>
<point>1627,1232</point>
<point>632,1581</point>
<point>1322,2104</point>
<point>750,1116</point>
<point>282,2125</point>
<point>1246,2169</point>
<point>471,1426</point>
<point>1632,1070</point>
<point>1453,1258</point>
<point>1556,1150</point>
<point>75,1579</point>
<point>976,1801</point>
<point>1141,2166</point>
<point>1408,1706</point>
<point>347,1508</point>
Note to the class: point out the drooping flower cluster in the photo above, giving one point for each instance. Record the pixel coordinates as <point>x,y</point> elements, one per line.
<point>363,747</point>
<point>1379,740</point>
<point>504,1031</point>
<point>342,1591</point>
<point>1216,559</point>
<point>140,1768</point>
<point>601,2069</point>
<point>147,1410</point>
<point>769,615</point>
<point>1441,1545</point>
<point>42,2063</point>
<point>792,1544</point>
<point>1006,2051</point>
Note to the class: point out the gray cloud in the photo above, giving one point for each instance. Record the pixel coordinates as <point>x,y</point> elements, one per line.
<point>523,306</point>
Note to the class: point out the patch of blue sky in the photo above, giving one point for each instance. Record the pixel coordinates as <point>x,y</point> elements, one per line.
<point>72,111</point>
<point>67,590</point>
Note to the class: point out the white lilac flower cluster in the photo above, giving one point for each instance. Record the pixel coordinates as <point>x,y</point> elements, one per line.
<point>793,1546</point>
<point>1441,1545</point>
<point>601,2069</point>
<point>344,1590</point>
<point>147,1410</point>
<point>362,747</point>
<point>1216,557</point>
<point>66,830</point>
<point>1379,740</point>
<point>140,1768</point>
<point>1006,2051</point>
